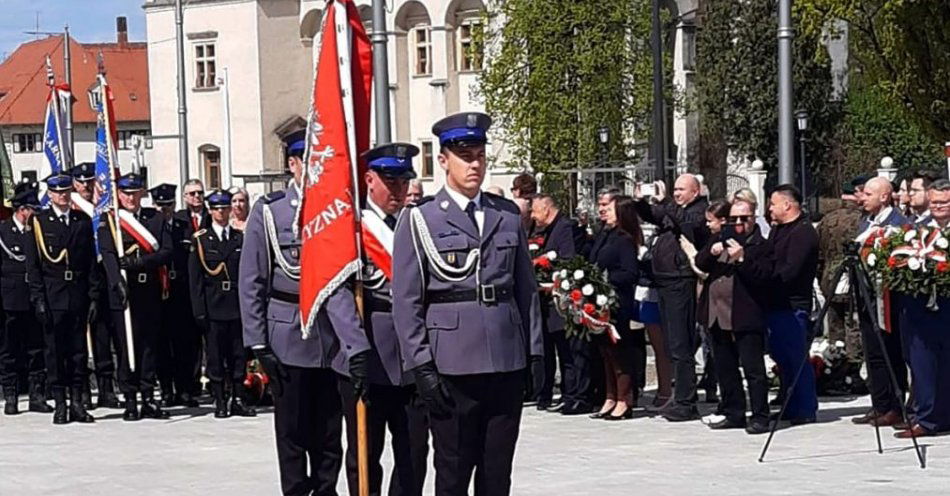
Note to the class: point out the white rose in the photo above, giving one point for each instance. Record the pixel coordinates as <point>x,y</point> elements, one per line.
<point>909,235</point>
<point>942,243</point>
<point>565,285</point>
<point>563,274</point>
<point>872,259</point>
<point>578,274</point>
<point>534,247</point>
<point>913,263</point>
<point>552,256</point>
<point>601,300</point>
<point>587,290</point>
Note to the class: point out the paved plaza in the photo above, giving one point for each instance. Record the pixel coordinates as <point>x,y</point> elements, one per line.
<point>194,454</point>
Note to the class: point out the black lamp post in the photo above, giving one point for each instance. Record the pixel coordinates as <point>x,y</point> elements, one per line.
<point>801,117</point>
<point>603,137</point>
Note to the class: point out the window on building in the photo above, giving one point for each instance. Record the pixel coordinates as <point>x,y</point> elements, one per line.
<point>28,176</point>
<point>205,66</point>
<point>470,45</point>
<point>428,164</point>
<point>422,42</point>
<point>211,160</point>
<point>125,138</point>
<point>27,143</point>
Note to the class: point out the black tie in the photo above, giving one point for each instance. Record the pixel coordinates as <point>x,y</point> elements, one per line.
<point>470,210</point>
<point>62,218</point>
<point>390,221</point>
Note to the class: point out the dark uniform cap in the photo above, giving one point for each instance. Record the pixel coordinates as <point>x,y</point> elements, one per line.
<point>25,194</point>
<point>131,182</point>
<point>296,143</point>
<point>163,194</point>
<point>850,187</point>
<point>59,182</point>
<point>392,160</point>
<point>219,198</point>
<point>83,172</point>
<point>463,129</point>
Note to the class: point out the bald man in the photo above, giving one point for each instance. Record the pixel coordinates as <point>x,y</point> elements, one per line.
<point>885,399</point>
<point>684,216</point>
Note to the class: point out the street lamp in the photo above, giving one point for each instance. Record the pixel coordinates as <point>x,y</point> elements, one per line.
<point>801,116</point>
<point>603,136</point>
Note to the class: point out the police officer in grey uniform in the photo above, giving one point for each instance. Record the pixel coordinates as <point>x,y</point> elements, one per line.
<point>21,342</point>
<point>467,317</point>
<point>377,374</point>
<point>307,409</point>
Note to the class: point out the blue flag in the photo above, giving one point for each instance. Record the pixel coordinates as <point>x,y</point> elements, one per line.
<point>103,176</point>
<point>53,151</point>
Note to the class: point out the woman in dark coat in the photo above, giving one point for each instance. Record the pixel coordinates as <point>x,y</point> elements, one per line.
<point>615,251</point>
<point>732,308</point>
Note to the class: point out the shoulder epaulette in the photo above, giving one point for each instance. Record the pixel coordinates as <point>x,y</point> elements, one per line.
<point>422,201</point>
<point>274,196</point>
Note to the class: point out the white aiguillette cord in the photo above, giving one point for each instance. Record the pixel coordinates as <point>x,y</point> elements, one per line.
<point>443,270</point>
<point>292,271</point>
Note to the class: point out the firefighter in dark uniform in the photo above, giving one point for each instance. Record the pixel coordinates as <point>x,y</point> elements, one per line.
<point>63,282</point>
<point>21,340</point>
<point>213,276</point>
<point>179,357</point>
<point>377,374</point>
<point>137,280</point>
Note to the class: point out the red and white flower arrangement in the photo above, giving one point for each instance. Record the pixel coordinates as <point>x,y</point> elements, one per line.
<point>585,298</point>
<point>910,260</point>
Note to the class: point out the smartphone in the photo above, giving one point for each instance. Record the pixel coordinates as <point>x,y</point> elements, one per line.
<point>647,190</point>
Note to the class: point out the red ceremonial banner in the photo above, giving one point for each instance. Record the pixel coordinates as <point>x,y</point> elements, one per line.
<point>337,134</point>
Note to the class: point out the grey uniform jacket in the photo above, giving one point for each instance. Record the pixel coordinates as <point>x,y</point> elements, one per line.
<point>468,337</point>
<point>269,296</point>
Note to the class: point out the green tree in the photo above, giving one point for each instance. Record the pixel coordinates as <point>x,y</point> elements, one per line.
<point>737,85</point>
<point>556,71</point>
<point>899,46</point>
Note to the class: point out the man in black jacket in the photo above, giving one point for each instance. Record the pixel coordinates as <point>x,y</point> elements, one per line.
<point>732,308</point>
<point>555,232</point>
<point>676,283</point>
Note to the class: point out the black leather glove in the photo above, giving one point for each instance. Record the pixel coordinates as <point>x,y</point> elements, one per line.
<point>358,371</point>
<point>272,368</point>
<point>93,315</point>
<point>123,289</point>
<point>536,381</point>
<point>40,310</point>
<point>431,389</point>
<point>131,262</point>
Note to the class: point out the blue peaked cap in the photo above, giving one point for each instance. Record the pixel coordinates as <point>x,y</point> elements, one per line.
<point>463,129</point>
<point>131,182</point>
<point>59,181</point>
<point>219,198</point>
<point>392,160</point>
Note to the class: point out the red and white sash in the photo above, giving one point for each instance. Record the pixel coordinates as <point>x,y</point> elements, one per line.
<point>81,204</point>
<point>378,242</point>
<point>146,242</point>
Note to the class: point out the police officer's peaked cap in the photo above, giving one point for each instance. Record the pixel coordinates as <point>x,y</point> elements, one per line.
<point>392,160</point>
<point>85,171</point>
<point>463,129</point>
<point>219,198</point>
<point>25,194</point>
<point>163,194</point>
<point>59,181</point>
<point>131,182</point>
<point>296,142</point>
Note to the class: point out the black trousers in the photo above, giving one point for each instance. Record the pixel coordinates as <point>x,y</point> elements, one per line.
<point>580,388</point>
<point>21,349</point>
<point>479,434</point>
<point>225,352</point>
<point>557,351</point>
<point>883,396</point>
<point>105,339</point>
<point>145,331</point>
<point>65,337</point>
<point>308,426</point>
<point>745,349</point>
<point>179,358</point>
<point>399,409</point>
<point>678,314</point>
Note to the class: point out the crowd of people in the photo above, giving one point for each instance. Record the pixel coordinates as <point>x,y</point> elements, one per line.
<point>717,277</point>
<point>455,334</point>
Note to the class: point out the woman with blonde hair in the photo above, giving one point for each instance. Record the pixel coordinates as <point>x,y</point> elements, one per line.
<point>239,207</point>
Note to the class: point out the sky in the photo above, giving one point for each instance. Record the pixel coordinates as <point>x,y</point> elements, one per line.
<point>90,21</point>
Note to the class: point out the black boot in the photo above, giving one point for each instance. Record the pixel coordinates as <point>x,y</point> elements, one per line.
<point>168,398</point>
<point>77,409</point>
<point>61,413</point>
<point>107,398</point>
<point>220,403</point>
<point>131,412</point>
<point>10,408</point>
<point>38,397</point>
<point>85,392</point>
<point>187,400</point>
<point>238,408</point>
<point>150,409</point>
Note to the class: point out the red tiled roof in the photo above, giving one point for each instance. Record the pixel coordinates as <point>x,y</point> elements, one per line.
<point>24,89</point>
